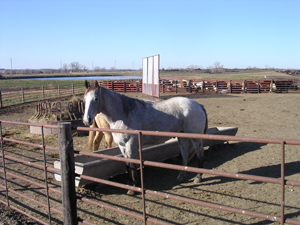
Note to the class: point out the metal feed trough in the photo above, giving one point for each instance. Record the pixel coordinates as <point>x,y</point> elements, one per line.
<point>106,168</point>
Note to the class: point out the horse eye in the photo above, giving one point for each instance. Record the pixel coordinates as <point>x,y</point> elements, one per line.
<point>96,99</point>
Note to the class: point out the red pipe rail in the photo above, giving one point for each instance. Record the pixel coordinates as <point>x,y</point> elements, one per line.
<point>281,181</point>
<point>165,86</point>
<point>36,165</point>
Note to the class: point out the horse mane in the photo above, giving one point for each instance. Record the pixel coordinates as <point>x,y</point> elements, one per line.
<point>129,104</point>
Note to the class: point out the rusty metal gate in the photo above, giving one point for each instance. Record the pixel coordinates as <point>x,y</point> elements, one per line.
<point>68,194</point>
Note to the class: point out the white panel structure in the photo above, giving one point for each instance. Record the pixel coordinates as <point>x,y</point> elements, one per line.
<point>150,70</point>
<point>145,68</point>
<point>151,75</point>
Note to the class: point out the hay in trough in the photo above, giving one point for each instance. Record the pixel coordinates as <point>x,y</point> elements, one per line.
<point>57,111</point>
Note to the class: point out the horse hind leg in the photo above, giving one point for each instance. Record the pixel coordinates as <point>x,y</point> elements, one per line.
<point>91,137</point>
<point>198,146</point>
<point>101,122</point>
<point>108,139</point>
<point>97,140</point>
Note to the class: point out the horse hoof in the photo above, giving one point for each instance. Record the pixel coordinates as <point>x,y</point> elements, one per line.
<point>130,192</point>
<point>179,179</point>
<point>197,180</point>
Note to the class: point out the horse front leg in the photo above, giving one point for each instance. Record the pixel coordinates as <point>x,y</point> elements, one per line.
<point>130,151</point>
<point>132,175</point>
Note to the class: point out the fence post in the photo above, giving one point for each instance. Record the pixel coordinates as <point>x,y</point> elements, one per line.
<point>230,86</point>
<point>176,82</point>
<point>163,86</point>
<point>271,86</point>
<point>124,86</point>
<point>23,99</point>
<point>244,86</point>
<point>43,92</point>
<point>282,179</point>
<point>137,86</point>
<point>190,86</point>
<point>4,167</point>
<point>0,100</point>
<point>72,89</point>
<point>66,155</point>
<point>58,91</point>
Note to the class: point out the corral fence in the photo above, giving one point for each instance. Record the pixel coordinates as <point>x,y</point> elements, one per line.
<point>237,86</point>
<point>71,199</point>
<point>210,86</point>
<point>14,97</point>
<point>165,86</point>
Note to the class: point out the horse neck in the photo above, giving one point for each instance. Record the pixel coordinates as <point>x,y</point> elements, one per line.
<point>112,108</point>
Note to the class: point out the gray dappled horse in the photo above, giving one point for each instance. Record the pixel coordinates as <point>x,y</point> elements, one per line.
<point>176,114</point>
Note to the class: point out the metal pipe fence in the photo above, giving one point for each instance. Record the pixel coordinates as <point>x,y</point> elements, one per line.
<point>165,86</point>
<point>14,97</point>
<point>66,147</point>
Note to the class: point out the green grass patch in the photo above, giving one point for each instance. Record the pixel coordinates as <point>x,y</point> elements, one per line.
<point>39,83</point>
<point>225,76</point>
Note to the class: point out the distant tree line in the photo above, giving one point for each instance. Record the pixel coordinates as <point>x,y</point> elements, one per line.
<point>66,68</point>
<point>76,67</point>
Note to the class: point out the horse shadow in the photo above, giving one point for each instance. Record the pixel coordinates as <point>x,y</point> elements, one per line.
<point>161,179</point>
<point>165,179</point>
<point>215,157</point>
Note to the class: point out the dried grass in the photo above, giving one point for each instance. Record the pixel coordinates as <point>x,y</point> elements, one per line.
<point>56,116</point>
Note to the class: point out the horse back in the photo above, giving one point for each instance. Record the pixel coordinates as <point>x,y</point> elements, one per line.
<point>193,115</point>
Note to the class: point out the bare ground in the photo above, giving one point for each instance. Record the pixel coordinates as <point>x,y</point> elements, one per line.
<point>256,115</point>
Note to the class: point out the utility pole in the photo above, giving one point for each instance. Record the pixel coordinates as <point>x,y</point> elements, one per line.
<point>10,65</point>
<point>93,67</point>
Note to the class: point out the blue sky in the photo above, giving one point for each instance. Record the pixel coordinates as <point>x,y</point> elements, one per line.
<point>237,33</point>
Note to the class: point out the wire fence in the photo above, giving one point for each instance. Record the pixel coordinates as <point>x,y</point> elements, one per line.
<point>14,97</point>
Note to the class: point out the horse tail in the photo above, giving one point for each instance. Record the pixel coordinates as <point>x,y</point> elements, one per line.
<point>206,120</point>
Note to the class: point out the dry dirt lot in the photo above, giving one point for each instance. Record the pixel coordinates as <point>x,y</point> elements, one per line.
<point>256,115</point>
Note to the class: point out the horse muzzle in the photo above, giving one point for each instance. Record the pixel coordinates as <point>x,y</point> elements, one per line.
<point>87,121</point>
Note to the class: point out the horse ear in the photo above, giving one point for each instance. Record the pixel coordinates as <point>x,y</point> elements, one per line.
<point>96,85</point>
<point>86,84</point>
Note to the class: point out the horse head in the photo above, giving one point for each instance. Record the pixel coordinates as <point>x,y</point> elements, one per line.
<point>91,98</point>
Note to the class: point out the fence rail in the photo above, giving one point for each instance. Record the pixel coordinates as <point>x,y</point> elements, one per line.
<point>68,187</point>
<point>165,86</point>
<point>14,97</point>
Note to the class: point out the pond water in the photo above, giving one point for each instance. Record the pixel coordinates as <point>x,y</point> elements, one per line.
<point>87,78</point>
